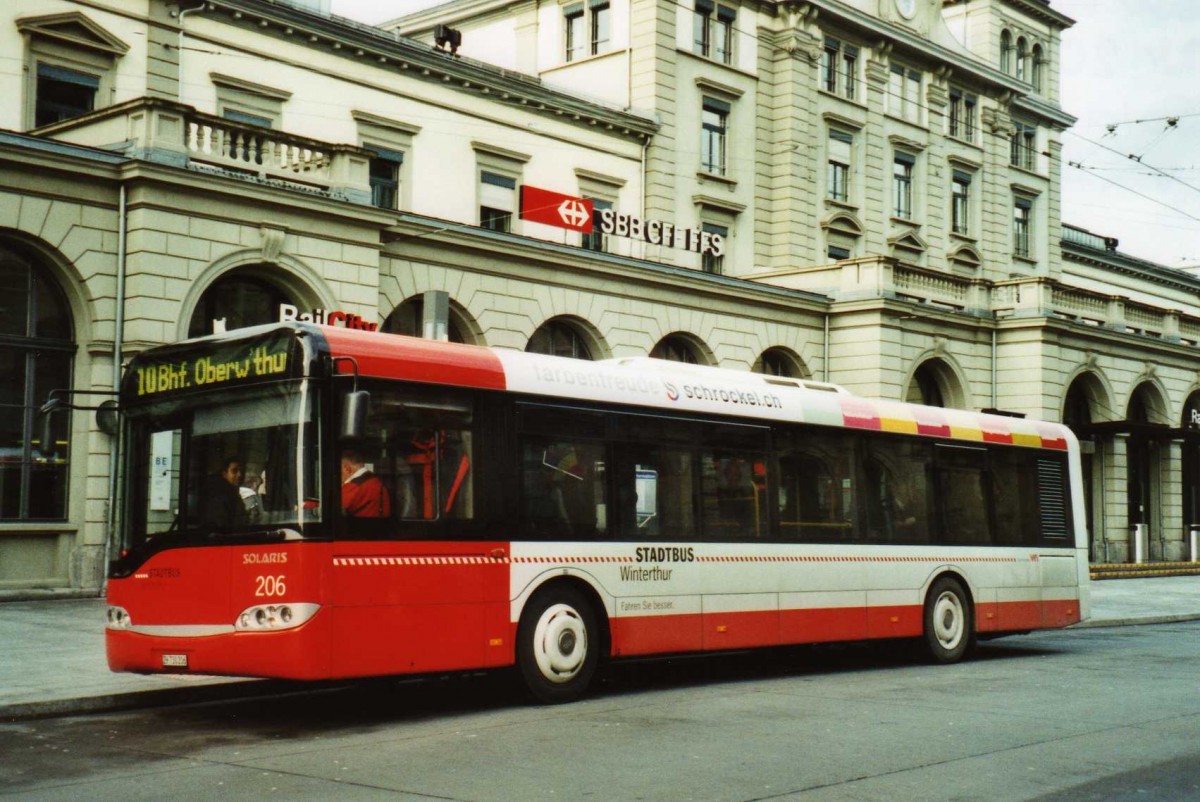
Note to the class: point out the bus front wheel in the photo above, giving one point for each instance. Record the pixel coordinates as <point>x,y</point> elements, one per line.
<point>949,629</point>
<point>557,646</point>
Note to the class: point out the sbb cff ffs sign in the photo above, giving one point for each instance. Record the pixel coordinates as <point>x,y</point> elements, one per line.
<point>556,209</point>
<point>576,214</point>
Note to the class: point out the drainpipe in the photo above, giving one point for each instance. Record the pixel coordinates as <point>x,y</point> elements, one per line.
<point>118,337</point>
<point>994,369</point>
<point>825,352</point>
<point>181,15</point>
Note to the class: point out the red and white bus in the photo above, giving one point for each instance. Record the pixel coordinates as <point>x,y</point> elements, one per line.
<point>549,513</point>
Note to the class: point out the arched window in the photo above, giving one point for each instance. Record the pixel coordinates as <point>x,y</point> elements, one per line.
<point>36,351</point>
<point>240,299</point>
<point>674,348</point>
<point>1037,73</point>
<point>409,318</point>
<point>779,362</point>
<point>1005,52</point>
<point>925,387</point>
<point>1022,58</point>
<point>559,338</point>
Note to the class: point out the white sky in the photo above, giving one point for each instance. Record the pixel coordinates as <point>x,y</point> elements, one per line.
<point>1122,61</point>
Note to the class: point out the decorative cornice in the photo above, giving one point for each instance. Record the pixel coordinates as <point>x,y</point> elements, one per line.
<point>59,26</point>
<point>366,118</point>
<point>242,85</point>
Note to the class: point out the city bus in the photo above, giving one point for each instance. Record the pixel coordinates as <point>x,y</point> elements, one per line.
<point>549,515</point>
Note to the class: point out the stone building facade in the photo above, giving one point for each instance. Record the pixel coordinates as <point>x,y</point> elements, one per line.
<point>883,178</point>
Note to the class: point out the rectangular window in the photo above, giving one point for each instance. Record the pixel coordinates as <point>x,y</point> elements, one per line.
<point>895,490</point>
<point>829,65</point>
<point>733,483</point>
<point>384,171</point>
<point>902,186</point>
<point>960,206</point>
<point>1022,225</point>
<point>595,241</point>
<point>1014,479</point>
<point>904,93</point>
<point>839,72</point>
<point>1023,146</point>
<point>816,487</point>
<point>723,37</point>
<point>497,201</point>
<point>837,253</point>
<point>962,115</point>
<point>564,486</point>
<point>702,28</point>
<point>838,177</point>
<point>714,119</point>
<point>601,25</point>
<point>961,493</point>
<point>422,446</point>
<point>573,31</point>
<point>712,31</point>
<point>709,262</point>
<point>63,94</point>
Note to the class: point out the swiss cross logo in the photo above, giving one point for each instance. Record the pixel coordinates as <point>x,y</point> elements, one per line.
<point>556,209</point>
<point>574,213</point>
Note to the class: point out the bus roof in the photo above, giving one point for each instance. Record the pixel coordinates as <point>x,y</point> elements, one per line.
<point>672,386</point>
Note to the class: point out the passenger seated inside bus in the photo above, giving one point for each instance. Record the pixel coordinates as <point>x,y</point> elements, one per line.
<point>363,493</point>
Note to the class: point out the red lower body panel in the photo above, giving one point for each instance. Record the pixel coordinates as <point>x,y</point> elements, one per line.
<point>300,653</point>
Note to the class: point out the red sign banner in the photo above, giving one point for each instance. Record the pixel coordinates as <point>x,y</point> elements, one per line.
<point>556,209</point>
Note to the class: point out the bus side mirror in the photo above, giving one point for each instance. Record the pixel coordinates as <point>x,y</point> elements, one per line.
<point>354,414</point>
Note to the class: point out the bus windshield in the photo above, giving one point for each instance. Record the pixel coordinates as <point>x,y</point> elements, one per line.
<point>244,461</point>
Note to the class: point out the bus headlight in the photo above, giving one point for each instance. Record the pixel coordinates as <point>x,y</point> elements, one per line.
<point>274,617</point>
<point>118,618</point>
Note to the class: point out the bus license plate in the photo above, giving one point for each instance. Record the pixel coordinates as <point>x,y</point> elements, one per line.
<point>174,661</point>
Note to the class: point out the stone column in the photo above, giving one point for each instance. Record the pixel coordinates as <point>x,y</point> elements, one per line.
<point>1114,501</point>
<point>1173,537</point>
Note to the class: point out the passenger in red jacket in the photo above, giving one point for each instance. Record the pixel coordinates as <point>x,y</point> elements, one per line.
<point>363,494</point>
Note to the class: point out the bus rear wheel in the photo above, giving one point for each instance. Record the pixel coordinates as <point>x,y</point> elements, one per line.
<point>557,645</point>
<point>949,628</point>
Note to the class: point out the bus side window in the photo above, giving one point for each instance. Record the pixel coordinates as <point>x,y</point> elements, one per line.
<point>563,472</point>
<point>896,492</point>
<point>816,487</point>
<point>422,445</point>
<point>563,489</point>
<point>1013,474</point>
<point>961,495</point>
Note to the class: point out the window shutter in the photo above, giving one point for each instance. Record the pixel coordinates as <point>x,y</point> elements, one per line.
<point>67,76</point>
<point>496,192</point>
<point>718,106</point>
<point>839,147</point>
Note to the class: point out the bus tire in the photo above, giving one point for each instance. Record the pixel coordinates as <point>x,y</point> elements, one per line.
<point>558,647</point>
<point>949,625</point>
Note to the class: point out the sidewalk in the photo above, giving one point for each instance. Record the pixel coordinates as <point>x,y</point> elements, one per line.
<point>52,659</point>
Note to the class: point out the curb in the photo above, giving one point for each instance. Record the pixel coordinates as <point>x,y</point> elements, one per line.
<point>1097,623</point>
<point>134,700</point>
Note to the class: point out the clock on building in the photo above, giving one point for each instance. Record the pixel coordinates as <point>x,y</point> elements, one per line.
<point>907,8</point>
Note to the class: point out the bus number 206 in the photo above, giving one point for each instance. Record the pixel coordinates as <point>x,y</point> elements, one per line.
<point>270,586</point>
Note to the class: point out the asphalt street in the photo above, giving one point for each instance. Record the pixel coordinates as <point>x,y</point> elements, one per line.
<point>1093,713</point>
